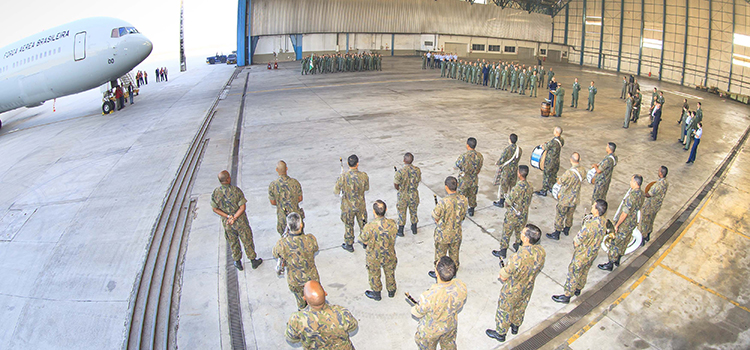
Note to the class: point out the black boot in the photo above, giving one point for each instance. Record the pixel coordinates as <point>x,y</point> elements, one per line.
<point>554,235</point>
<point>645,239</point>
<point>348,247</point>
<point>373,295</point>
<point>513,329</point>
<point>471,211</point>
<point>238,265</point>
<point>391,293</point>
<point>500,253</point>
<point>606,267</point>
<point>414,229</point>
<point>577,292</point>
<point>616,262</point>
<point>256,262</point>
<point>566,230</point>
<point>432,274</point>
<point>400,232</point>
<point>499,203</point>
<point>562,298</point>
<point>495,335</point>
<point>542,193</point>
<point>515,246</point>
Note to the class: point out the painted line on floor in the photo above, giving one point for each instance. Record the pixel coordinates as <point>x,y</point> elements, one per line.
<point>640,280</point>
<point>704,287</point>
<point>339,85</point>
<point>725,227</point>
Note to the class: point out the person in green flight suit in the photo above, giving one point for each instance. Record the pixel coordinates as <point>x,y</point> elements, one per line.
<point>592,95</point>
<point>574,94</point>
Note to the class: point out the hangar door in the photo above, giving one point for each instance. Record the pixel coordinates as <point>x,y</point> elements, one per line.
<point>80,46</point>
<point>458,48</point>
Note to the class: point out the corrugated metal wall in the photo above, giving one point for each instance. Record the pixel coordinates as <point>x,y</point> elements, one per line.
<point>279,17</point>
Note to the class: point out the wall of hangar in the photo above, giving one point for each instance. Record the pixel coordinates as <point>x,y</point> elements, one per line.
<point>688,42</point>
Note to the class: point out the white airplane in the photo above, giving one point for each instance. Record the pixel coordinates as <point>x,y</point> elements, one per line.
<point>68,59</point>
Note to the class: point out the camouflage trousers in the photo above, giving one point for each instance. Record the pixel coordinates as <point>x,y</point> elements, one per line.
<point>564,217</point>
<point>600,191</point>
<point>298,292</point>
<point>450,249</point>
<point>578,272</point>
<point>510,310</point>
<point>618,246</point>
<point>389,270</point>
<point>446,340</point>
<point>550,176</point>
<point>647,222</point>
<point>469,188</point>
<point>506,179</point>
<point>237,233</point>
<point>512,225</point>
<point>407,203</point>
<point>348,217</point>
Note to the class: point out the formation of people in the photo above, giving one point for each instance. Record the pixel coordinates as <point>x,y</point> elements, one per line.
<point>335,63</point>
<point>512,77</point>
<point>141,78</point>
<point>437,308</point>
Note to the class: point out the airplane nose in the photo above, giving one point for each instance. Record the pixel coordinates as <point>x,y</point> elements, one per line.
<point>144,48</point>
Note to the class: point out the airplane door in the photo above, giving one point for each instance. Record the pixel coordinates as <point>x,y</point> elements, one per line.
<point>80,46</point>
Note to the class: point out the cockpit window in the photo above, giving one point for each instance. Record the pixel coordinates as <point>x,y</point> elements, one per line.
<point>123,31</point>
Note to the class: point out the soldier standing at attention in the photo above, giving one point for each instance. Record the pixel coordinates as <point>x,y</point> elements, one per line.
<point>504,78</point>
<point>693,126</point>
<point>352,186</point>
<point>624,87</point>
<point>532,85</point>
<point>542,73</point>
<point>592,94</point>
<point>552,161</point>
<point>637,99</point>
<point>627,220</point>
<point>516,216</point>
<point>406,181</point>
<point>321,325</point>
<point>652,204</point>
<point>379,239</point>
<point>585,250</point>
<point>522,83</point>
<point>297,249</point>
<point>569,197</point>
<point>628,111</point>
<point>507,170</point>
<point>449,214</point>
<point>550,75</point>
<point>559,100</point>
<point>518,277</point>
<point>228,201</point>
<point>604,173</point>
<point>285,193</point>
<point>438,308</point>
<point>470,164</point>
<point>574,94</point>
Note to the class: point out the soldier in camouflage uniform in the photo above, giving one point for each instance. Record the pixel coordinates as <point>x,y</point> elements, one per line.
<point>352,186</point>
<point>552,161</point>
<point>627,220</point>
<point>449,214</point>
<point>470,164</point>
<point>507,170</point>
<point>652,204</point>
<point>285,193</point>
<point>518,202</point>
<point>406,181</point>
<point>518,277</point>
<point>585,250</point>
<point>228,201</point>
<point>379,239</point>
<point>568,197</point>
<point>604,173</point>
<point>297,249</point>
<point>321,325</point>
<point>438,307</point>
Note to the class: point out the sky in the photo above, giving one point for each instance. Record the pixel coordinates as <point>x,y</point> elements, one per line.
<point>210,26</point>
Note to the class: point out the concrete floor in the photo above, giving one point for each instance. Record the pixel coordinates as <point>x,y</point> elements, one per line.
<point>79,257</point>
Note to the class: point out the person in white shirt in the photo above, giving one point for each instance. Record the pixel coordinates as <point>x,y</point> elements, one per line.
<point>697,135</point>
